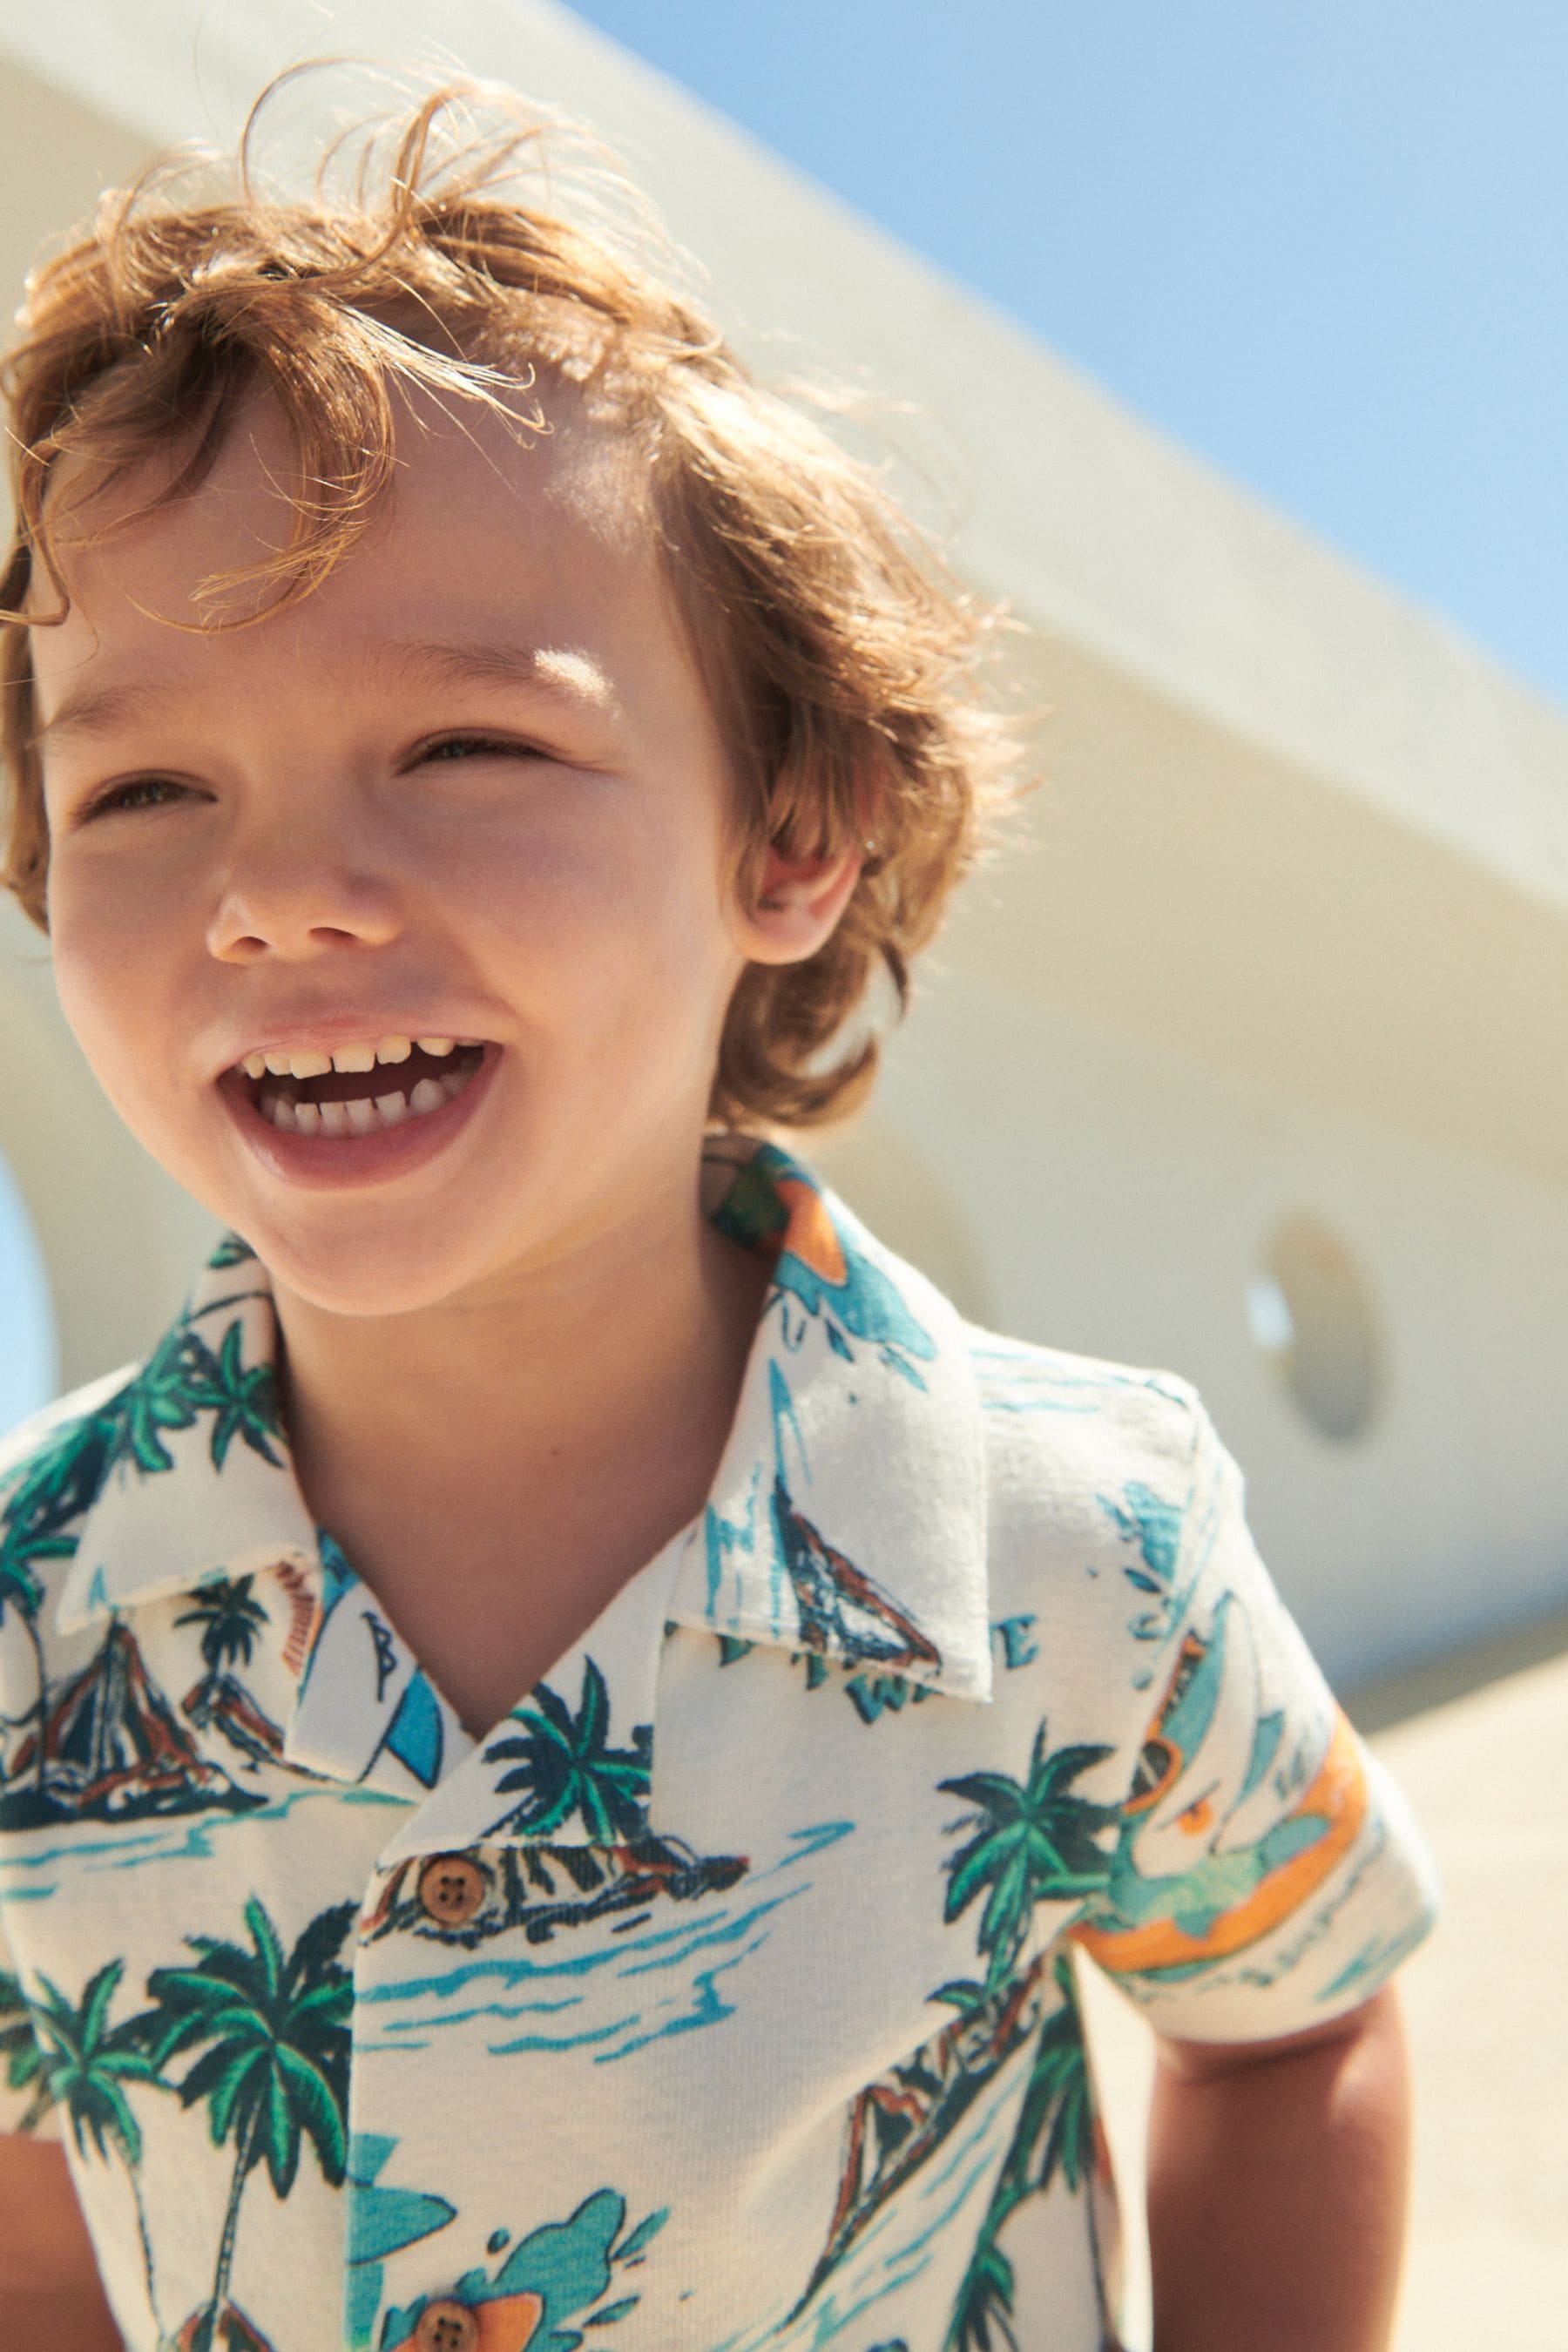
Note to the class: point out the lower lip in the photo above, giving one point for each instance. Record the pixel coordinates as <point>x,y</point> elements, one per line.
<point>332,1163</point>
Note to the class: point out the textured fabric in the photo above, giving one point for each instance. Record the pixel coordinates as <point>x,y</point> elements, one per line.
<point>720,1996</point>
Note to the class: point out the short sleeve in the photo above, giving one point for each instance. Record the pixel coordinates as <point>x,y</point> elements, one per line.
<point>1266,1871</point>
<point>25,2101</point>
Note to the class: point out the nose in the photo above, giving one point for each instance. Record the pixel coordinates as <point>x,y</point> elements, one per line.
<point>294,890</point>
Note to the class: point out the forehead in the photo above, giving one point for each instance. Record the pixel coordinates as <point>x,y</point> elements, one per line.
<point>487,521</point>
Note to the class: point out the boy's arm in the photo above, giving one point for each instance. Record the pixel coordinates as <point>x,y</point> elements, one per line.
<point>1278,2184</point>
<point>49,2290</point>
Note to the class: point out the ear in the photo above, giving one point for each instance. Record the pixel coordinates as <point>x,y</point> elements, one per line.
<point>798,902</point>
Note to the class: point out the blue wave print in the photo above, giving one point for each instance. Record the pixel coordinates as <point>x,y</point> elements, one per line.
<point>183,1839</point>
<point>657,1953</point>
<point>414,2012</point>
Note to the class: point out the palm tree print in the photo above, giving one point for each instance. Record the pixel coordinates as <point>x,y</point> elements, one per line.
<point>1055,2132</point>
<point>230,1620</point>
<point>565,1764</point>
<point>24,2059</point>
<point>1035,1842</point>
<point>21,1592</point>
<point>276,2065</point>
<point>181,1380</point>
<point>82,2063</point>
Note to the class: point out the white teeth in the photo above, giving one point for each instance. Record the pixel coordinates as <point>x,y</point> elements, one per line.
<point>311,1062</point>
<point>360,1114</point>
<point>436,1044</point>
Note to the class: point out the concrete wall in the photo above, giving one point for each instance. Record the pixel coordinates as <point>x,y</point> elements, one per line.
<point>1287,931</point>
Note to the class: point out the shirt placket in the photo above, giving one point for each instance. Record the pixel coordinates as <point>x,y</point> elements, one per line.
<point>443,1932</point>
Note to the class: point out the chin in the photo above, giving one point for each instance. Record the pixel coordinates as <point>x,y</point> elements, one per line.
<point>363,1266</point>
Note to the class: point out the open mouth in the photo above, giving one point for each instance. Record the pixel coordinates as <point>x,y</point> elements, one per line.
<point>344,1103</point>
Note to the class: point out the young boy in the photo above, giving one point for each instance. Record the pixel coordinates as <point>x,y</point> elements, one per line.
<point>563,1726</point>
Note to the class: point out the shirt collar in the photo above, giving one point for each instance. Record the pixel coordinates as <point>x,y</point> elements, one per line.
<point>845,1521</point>
<point>848,1516</point>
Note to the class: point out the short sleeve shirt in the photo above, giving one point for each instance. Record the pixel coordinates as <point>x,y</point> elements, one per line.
<point>719,1997</point>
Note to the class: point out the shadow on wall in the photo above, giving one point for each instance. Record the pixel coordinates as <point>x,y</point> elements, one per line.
<point>1394,1698</point>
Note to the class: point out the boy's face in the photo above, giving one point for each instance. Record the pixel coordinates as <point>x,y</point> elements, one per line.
<point>469,789</point>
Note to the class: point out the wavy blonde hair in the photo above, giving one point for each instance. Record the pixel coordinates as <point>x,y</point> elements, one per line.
<point>841,658</point>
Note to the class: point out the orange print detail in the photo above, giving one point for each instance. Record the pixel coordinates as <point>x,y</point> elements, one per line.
<point>1337,1798</point>
<point>304,1615</point>
<point>508,2322</point>
<point>1197,1817</point>
<point>809,1235</point>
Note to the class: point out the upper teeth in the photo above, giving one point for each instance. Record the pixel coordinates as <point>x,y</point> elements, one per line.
<point>311,1062</point>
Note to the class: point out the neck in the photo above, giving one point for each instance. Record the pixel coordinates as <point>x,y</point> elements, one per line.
<point>566,1421</point>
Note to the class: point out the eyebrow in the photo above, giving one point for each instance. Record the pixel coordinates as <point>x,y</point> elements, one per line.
<point>571,683</point>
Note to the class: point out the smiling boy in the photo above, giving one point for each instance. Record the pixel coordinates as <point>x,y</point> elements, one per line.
<point>572,1712</point>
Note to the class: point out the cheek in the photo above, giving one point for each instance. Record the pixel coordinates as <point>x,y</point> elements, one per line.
<point>110,949</point>
<point>628,923</point>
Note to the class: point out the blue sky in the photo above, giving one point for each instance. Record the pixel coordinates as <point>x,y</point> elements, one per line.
<point>1324,243</point>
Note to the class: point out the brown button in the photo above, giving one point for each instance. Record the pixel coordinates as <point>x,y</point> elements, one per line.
<point>446,2327</point>
<point>451,1889</point>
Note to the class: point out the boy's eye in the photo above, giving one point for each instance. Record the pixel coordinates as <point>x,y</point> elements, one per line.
<point>495,747</point>
<point>126,795</point>
<point>152,791</point>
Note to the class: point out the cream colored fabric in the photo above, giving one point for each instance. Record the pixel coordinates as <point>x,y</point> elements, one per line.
<point>718,1997</point>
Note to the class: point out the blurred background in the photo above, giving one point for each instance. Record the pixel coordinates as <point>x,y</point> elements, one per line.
<point>1232,342</point>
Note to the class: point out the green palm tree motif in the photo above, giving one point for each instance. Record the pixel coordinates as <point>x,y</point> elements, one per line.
<point>566,1765</point>
<point>230,1619</point>
<point>1055,2132</point>
<point>1035,1842</point>
<point>275,2064</point>
<point>24,2059</point>
<point>181,1380</point>
<point>231,1251</point>
<point>80,2064</point>
<point>21,1592</point>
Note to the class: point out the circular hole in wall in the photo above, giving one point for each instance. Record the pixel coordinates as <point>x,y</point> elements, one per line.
<point>28,1365</point>
<point>1310,1312</point>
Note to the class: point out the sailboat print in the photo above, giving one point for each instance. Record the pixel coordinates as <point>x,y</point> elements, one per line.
<point>114,1750</point>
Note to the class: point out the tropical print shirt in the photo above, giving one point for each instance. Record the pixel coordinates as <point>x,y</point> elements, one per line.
<point>721,1997</point>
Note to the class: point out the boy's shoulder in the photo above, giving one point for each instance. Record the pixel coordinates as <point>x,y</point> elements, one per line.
<point>49,1431</point>
<point>53,1465</point>
<point>1095,1471</point>
<point>1048,1412</point>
